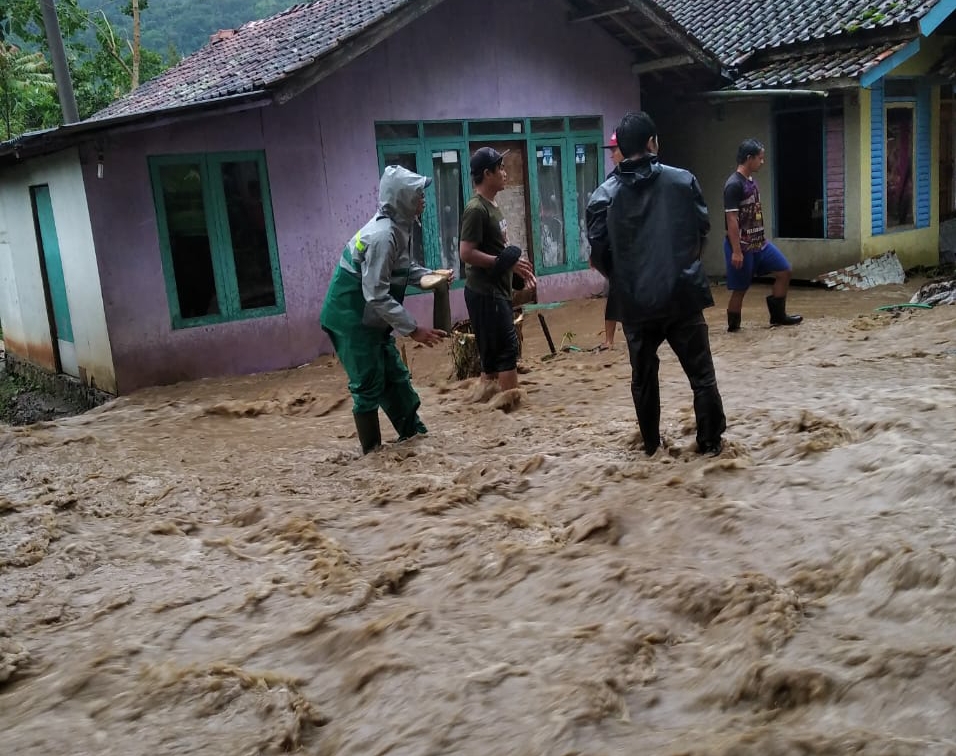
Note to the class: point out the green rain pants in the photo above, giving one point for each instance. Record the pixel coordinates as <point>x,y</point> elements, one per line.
<point>377,375</point>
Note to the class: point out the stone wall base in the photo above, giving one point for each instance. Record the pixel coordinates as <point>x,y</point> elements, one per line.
<point>66,386</point>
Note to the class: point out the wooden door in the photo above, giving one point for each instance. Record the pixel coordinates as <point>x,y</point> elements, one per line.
<point>514,199</point>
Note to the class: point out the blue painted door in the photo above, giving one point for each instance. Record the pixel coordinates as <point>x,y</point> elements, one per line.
<point>50,256</point>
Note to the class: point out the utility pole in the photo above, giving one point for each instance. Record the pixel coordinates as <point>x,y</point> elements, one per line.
<point>61,72</point>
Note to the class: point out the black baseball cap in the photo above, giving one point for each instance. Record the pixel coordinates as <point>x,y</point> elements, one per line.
<point>486,159</point>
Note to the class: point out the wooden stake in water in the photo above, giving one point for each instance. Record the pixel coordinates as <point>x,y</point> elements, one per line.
<point>547,333</point>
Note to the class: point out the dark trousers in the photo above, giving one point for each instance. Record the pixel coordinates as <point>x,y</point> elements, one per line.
<point>688,337</point>
<point>492,320</point>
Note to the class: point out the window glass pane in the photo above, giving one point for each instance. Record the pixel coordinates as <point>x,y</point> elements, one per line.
<point>899,167</point>
<point>409,160</point>
<point>189,239</point>
<point>586,123</point>
<point>396,131</point>
<point>449,202</point>
<point>405,159</point>
<point>587,172</point>
<point>539,125</point>
<point>444,129</point>
<point>484,128</point>
<point>247,230</point>
<point>551,196</point>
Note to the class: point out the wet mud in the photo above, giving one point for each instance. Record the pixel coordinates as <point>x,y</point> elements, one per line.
<point>214,568</point>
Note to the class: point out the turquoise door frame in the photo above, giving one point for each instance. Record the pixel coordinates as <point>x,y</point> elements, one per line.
<point>415,142</point>
<point>52,264</point>
<point>567,208</point>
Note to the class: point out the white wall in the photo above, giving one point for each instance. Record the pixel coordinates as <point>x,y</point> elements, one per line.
<point>23,310</point>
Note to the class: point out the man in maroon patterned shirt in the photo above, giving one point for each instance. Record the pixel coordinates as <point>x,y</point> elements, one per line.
<point>747,252</point>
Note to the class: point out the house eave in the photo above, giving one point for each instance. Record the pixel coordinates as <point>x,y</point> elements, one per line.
<point>665,23</point>
<point>58,138</point>
<point>763,56</point>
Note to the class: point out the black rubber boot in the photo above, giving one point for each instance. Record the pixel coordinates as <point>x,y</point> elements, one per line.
<point>778,312</point>
<point>733,321</point>
<point>369,430</point>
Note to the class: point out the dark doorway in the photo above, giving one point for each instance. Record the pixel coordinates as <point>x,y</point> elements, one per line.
<point>798,167</point>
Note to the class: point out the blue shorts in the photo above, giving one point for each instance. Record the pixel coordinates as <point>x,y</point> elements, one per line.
<point>760,263</point>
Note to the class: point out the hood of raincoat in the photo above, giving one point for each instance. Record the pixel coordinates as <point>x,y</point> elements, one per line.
<point>640,172</point>
<point>398,192</point>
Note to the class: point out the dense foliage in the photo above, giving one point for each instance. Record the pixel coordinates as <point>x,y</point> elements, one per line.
<point>185,25</point>
<point>101,51</point>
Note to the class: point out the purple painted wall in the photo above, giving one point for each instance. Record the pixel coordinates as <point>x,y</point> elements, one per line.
<point>323,174</point>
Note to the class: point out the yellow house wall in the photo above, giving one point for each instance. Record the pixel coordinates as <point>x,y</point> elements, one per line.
<point>913,246</point>
<point>703,137</point>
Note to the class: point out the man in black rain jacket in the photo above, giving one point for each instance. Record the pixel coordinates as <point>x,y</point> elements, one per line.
<point>646,226</point>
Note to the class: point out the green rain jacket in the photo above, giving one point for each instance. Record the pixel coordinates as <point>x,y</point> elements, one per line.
<point>368,286</point>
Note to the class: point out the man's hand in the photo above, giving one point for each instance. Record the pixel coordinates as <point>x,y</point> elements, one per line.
<point>427,336</point>
<point>506,260</point>
<point>526,273</point>
<point>737,259</point>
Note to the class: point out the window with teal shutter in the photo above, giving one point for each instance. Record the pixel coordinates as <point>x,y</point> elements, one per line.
<point>217,237</point>
<point>877,157</point>
<point>901,152</point>
<point>924,133</point>
<point>900,164</point>
<point>562,160</point>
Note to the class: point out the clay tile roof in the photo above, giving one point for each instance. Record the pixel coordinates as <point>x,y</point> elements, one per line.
<point>799,70</point>
<point>734,29</point>
<point>255,56</point>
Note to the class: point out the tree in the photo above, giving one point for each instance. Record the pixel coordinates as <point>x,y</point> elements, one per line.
<point>22,21</point>
<point>104,65</point>
<point>117,63</point>
<point>25,83</point>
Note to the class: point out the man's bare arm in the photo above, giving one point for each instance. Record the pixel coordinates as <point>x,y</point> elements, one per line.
<point>471,255</point>
<point>733,235</point>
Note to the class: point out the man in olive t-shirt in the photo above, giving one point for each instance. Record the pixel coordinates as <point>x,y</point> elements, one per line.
<point>489,265</point>
<point>483,224</point>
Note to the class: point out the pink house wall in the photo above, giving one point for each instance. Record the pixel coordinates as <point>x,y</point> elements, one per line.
<point>528,61</point>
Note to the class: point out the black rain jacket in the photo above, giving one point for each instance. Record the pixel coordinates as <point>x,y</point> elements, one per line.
<point>646,226</point>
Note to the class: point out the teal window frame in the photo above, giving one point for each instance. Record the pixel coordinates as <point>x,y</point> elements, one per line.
<point>906,105</point>
<point>575,258</point>
<point>921,103</point>
<point>220,241</point>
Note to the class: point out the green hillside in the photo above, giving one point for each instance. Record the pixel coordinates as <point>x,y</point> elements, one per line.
<point>186,25</point>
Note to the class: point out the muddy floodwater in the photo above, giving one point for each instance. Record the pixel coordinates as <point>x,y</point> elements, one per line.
<point>212,568</point>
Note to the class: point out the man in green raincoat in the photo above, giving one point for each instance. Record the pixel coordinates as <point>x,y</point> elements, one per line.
<point>364,306</point>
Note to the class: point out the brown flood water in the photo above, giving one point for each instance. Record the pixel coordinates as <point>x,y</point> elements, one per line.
<point>212,568</point>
